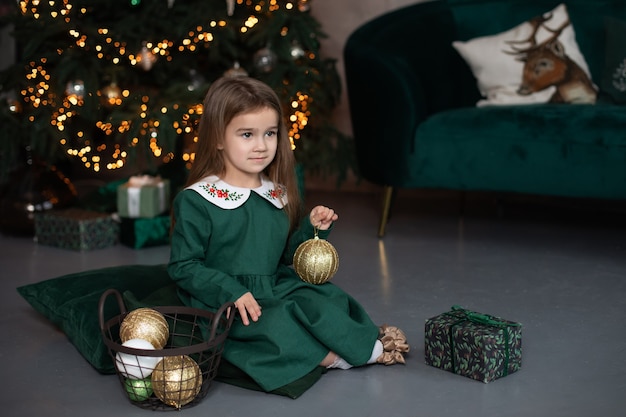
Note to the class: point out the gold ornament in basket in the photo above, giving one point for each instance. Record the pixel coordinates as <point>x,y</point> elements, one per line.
<point>178,371</point>
<point>316,260</point>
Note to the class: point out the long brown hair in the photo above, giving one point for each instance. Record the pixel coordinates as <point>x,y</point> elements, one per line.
<point>228,97</point>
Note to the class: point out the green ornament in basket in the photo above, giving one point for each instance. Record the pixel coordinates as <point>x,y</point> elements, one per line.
<point>138,389</point>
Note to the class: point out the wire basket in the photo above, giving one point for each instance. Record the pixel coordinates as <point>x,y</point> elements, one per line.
<point>179,375</point>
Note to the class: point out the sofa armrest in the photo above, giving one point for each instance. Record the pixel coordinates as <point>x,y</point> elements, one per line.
<point>400,69</point>
<point>386,102</point>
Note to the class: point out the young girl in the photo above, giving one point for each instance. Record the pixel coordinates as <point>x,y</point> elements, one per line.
<point>236,228</point>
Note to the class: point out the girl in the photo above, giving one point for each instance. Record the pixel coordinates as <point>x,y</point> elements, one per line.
<point>237,225</point>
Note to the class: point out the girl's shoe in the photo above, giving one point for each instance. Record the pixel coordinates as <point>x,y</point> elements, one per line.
<point>394,345</point>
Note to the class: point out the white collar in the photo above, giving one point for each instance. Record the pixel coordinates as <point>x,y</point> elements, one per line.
<point>227,196</point>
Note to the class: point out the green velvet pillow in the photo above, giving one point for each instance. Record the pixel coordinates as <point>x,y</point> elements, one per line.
<point>613,83</point>
<point>71,303</point>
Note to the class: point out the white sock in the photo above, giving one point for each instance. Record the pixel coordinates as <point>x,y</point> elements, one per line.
<point>376,352</point>
<point>339,363</point>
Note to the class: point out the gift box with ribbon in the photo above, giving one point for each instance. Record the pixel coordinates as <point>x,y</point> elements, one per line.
<point>143,196</point>
<point>146,232</point>
<point>76,229</point>
<point>475,345</point>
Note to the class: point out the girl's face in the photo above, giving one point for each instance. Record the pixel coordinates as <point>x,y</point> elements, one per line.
<point>249,146</point>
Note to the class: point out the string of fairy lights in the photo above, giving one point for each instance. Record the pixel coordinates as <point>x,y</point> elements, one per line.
<point>98,155</point>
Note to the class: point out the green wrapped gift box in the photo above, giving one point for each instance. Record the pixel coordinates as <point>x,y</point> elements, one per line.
<point>143,197</point>
<point>76,229</point>
<point>475,345</point>
<point>143,233</point>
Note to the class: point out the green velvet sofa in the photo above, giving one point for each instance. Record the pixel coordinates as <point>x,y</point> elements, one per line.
<point>416,124</point>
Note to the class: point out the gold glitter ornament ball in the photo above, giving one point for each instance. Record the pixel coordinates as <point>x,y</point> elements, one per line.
<point>316,260</point>
<point>176,380</point>
<point>145,323</point>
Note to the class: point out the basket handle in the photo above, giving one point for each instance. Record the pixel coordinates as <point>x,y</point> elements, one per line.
<point>224,309</point>
<point>103,297</point>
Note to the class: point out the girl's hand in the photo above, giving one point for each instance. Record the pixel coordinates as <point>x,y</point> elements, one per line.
<point>322,217</point>
<point>247,306</point>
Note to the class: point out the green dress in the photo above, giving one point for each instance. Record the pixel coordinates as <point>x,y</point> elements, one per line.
<point>228,241</point>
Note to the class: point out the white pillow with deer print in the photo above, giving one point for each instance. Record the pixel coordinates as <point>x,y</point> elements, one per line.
<point>542,45</point>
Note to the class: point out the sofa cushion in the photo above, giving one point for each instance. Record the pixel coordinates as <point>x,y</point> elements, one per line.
<point>576,151</point>
<point>476,18</point>
<point>498,64</point>
<point>613,82</point>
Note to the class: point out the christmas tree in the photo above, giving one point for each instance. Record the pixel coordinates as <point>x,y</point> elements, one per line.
<point>113,83</point>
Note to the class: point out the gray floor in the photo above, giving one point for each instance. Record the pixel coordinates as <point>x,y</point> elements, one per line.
<point>559,271</point>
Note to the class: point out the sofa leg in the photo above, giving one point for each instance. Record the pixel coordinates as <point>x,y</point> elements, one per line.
<point>387,197</point>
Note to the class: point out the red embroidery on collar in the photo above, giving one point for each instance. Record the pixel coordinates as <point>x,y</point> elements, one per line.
<point>224,193</point>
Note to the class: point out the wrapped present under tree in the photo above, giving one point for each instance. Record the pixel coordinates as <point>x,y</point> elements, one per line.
<point>76,229</point>
<point>475,345</point>
<point>143,233</point>
<point>143,196</point>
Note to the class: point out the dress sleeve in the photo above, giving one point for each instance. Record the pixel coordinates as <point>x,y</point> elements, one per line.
<point>189,249</point>
<point>304,232</point>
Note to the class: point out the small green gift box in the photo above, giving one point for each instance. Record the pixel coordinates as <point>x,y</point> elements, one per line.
<point>145,232</point>
<point>475,345</point>
<point>76,229</point>
<point>143,197</point>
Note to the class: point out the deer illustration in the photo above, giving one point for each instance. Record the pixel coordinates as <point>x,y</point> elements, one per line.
<point>546,64</point>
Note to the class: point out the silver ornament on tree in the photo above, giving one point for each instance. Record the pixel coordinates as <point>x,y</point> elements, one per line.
<point>236,71</point>
<point>265,59</point>
<point>111,95</point>
<point>146,58</point>
<point>196,80</point>
<point>75,88</point>
<point>170,3</point>
<point>304,6</point>
<point>75,92</point>
<point>9,99</point>
<point>230,7</point>
<point>296,51</point>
